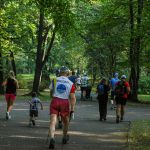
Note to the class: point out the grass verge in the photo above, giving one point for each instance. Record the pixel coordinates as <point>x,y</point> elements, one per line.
<point>139,136</point>
<point>144,98</point>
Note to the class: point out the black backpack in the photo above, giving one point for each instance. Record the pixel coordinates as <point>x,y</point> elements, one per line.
<point>120,89</point>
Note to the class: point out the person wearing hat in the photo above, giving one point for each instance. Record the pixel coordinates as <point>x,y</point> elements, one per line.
<point>122,90</point>
<point>113,82</point>
<point>63,104</point>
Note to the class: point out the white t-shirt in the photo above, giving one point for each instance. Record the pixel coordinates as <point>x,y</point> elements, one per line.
<point>78,80</point>
<point>62,88</point>
<point>84,81</point>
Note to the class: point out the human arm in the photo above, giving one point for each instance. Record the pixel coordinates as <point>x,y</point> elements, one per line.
<point>128,87</point>
<point>17,85</point>
<point>4,83</point>
<point>72,101</point>
<point>41,105</point>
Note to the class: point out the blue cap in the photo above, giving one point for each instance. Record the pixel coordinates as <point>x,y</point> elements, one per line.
<point>123,77</point>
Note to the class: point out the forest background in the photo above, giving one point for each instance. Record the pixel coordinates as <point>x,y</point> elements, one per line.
<point>98,37</point>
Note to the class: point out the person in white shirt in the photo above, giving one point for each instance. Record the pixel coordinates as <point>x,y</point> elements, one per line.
<point>84,84</point>
<point>63,103</point>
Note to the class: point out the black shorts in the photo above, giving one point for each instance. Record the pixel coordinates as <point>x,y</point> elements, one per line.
<point>112,95</point>
<point>83,89</point>
<point>33,113</point>
<point>121,101</point>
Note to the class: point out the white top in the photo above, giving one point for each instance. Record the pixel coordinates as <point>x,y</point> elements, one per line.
<point>79,80</point>
<point>84,81</point>
<point>62,88</point>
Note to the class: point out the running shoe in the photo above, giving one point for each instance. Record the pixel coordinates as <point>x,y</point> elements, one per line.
<point>33,122</point>
<point>8,116</point>
<point>117,120</point>
<point>121,119</point>
<point>60,125</point>
<point>52,144</point>
<point>65,139</point>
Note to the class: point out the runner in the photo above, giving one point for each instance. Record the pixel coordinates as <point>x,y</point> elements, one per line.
<point>34,109</point>
<point>113,81</point>
<point>63,91</point>
<point>11,84</point>
<point>122,91</point>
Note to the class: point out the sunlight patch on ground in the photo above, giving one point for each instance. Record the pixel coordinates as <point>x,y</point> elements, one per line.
<point>26,137</point>
<point>20,109</point>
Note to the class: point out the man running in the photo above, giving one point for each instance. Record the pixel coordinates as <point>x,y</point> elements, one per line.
<point>63,92</point>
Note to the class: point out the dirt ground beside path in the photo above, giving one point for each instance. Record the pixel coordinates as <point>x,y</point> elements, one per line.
<point>86,132</point>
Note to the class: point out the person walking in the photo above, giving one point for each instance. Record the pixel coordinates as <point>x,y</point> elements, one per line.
<point>122,91</point>
<point>64,95</point>
<point>102,90</point>
<point>34,108</point>
<point>113,82</point>
<point>73,77</point>
<point>11,84</point>
<point>84,84</point>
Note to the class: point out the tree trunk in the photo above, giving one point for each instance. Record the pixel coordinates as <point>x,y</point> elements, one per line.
<point>37,78</point>
<point>42,53</point>
<point>13,62</point>
<point>39,56</point>
<point>135,49</point>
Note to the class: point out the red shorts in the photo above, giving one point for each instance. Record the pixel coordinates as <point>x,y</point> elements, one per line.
<point>59,106</point>
<point>11,97</point>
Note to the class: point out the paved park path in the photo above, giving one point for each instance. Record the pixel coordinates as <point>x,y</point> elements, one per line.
<point>86,131</point>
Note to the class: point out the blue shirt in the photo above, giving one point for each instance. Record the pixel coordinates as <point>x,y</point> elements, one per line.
<point>73,78</point>
<point>34,103</point>
<point>113,82</point>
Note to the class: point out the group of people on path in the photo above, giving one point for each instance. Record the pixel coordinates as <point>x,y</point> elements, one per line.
<point>62,106</point>
<point>120,90</point>
<point>62,103</point>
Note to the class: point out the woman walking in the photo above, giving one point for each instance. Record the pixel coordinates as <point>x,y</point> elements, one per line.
<point>10,95</point>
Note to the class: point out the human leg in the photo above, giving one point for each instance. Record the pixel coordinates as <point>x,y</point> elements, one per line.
<point>9,108</point>
<point>105,111</point>
<point>59,122</point>
<point>112,99</point>
<point>122,112</point>
<point>53,120</point>
<point>118,109</point>
<point>10,98</point>
<point>81,93</point>
<point>10,105</point>
<point>65,120</point>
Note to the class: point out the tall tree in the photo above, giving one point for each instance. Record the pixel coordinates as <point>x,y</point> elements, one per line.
<point>53,17</point>
<point>135,46</point>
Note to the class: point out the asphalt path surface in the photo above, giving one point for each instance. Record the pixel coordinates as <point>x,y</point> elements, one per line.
<point>86,131</point>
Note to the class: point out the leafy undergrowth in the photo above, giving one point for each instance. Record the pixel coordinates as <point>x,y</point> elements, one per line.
<point>139,136</point>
